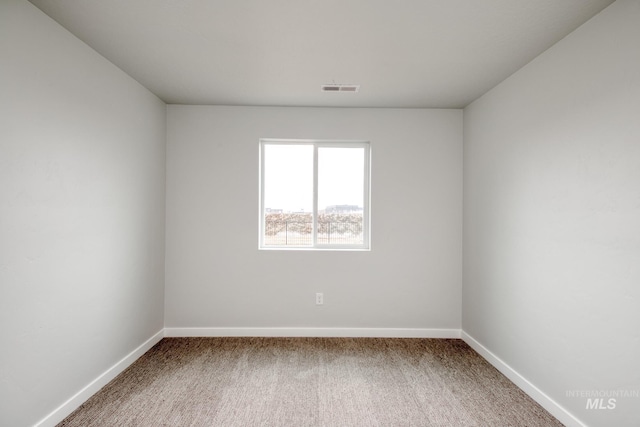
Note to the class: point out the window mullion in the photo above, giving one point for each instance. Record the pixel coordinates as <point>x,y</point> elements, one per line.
<point>315,195</point>
<point>366,212</point>
<point>262,226</point>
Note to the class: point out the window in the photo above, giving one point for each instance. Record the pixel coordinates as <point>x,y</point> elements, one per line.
<point>314,194</point>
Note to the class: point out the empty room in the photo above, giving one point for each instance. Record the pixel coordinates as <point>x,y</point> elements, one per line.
<point>320,213</point>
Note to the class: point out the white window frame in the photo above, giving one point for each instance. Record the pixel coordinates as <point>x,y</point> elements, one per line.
<point>366,211</point>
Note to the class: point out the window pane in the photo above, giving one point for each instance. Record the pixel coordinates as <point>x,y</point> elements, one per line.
<point>288,195</point>
<point>340,195</point>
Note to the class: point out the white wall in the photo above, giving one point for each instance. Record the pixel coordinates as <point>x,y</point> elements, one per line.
<point>552,217</point>
<point>217,277</point>
<point>82,154</point>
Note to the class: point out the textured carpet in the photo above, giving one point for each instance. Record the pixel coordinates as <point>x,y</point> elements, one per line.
<point>310,382</point>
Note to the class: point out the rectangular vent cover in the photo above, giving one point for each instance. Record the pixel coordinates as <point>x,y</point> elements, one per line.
<point>340,88</point>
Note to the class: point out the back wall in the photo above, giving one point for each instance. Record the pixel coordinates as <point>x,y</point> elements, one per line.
<point>217,278</point>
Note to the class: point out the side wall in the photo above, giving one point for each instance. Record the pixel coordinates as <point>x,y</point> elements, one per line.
<point>217,277</point>
<point>552,218</point>
<point>82,169</point>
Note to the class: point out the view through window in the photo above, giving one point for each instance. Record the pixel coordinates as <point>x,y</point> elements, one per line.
<point>314,194</point>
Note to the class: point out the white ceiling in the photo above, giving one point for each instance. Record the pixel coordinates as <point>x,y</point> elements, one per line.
<point>403,53</point>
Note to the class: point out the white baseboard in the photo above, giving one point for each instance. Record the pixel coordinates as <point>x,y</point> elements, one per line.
<point>313,332</point>
<point>80,397</point>
<point>564,416</point>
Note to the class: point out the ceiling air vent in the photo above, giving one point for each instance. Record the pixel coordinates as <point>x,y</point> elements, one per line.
<point>340,88</point>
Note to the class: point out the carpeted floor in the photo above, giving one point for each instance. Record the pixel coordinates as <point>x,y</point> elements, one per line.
<point>310,382</point>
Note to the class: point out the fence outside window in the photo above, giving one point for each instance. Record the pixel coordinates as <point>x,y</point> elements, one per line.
<point>297,229</point>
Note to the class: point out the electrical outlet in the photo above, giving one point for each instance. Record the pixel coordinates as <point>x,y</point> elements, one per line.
<point>319,298</point>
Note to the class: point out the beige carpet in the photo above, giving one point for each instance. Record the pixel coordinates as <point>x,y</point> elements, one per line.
<point>310,382</point>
